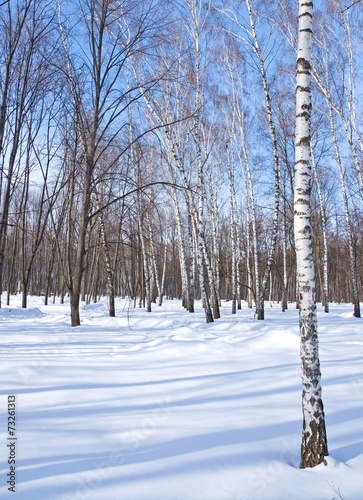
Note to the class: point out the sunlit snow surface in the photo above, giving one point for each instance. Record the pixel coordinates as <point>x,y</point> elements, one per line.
<point>162,406</point>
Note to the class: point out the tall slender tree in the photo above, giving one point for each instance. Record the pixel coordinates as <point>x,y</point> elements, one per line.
<point>314,441</point>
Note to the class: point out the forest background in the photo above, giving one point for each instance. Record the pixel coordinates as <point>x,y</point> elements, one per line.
<point>147,150</point>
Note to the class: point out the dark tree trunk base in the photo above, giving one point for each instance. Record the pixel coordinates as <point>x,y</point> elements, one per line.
<point>75,319</point>
<point>314,447</point>
<point>356,310</point>
<point>260,313</point>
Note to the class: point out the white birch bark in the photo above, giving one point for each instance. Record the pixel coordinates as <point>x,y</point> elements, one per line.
<point>349,91</point>
<point>353,267</point>
<point>238,250</point>
<point>324,88</point>
<point>314,443</point>
<point>145,262</point>
<point>106,253</point>
<point>248,252</point>
<point>195,211</point>
<point>272,249</point>
<point>215,258</point>
<point>325,241</point>
<point>153,258</point>
<point>232,231</point>
<point>351,96</point>
<point>162,287</point>
<point>352,148</point>
<point>192,249</point>
<point>200,162</point>
<point>181,247</point>
<point>284,254</point>
<point>145,273</point>
<point>252,215</point>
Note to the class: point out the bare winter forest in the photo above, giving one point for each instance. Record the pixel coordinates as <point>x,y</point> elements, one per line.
<point>147,149</point>
<point>194,150</point>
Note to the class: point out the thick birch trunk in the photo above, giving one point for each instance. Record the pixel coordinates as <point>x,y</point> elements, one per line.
<point>314,442</point>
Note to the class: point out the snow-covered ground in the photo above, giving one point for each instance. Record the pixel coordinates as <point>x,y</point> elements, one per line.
<point>162,406</point>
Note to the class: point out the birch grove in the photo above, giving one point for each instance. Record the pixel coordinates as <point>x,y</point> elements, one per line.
<point>185,84</point>
<point>157,154</point>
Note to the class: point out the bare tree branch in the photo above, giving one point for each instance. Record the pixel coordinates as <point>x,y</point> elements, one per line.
<point>349,6</point>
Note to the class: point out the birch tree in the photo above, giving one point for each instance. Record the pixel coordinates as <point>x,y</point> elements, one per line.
<point>165,113</point>
<point>325,242</point>
<point>314,446</point>
<point>247,34</point>
<point>232,229</point>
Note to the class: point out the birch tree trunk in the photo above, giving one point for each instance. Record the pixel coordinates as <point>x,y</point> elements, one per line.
<point>249,281</point>
<point>181,250</point>
<point>251,210</point>
<point>146,265</point>
<point>233,231</point>
<point>108,263</point>
<point>325,241</point>
<point>200,165</point>
<point>162,286</point>
<point>192,260</point>
<point>213,181</point>
<point>314,442</point>
<point>284,255</point>
<point>238,251</point>
<point>153,258</point>
<point>271,253</point>
<point>353,266</point>
<point>195,207</point>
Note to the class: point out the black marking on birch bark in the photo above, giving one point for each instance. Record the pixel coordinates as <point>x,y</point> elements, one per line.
<point>307,4</point>
<point>305,115</point>
<point>304,141</point>
<point>306,14</point>
<point>303,63</point>
<point>308,30</point>
<point>307,106</point>
<point>304,162</point>
<point>302,89</point>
